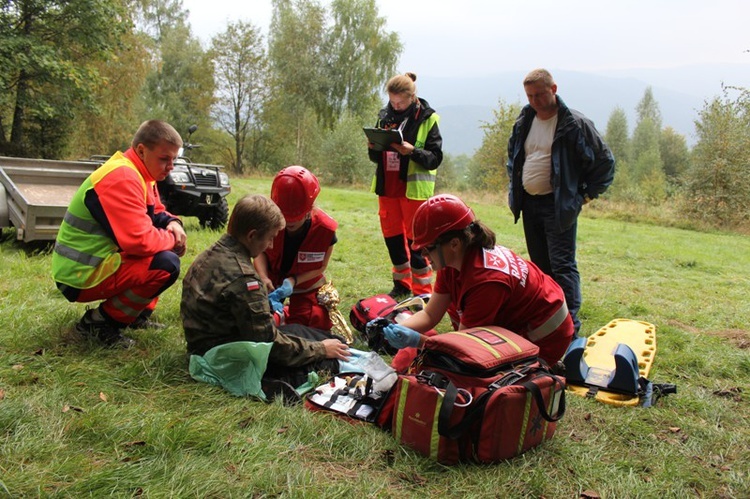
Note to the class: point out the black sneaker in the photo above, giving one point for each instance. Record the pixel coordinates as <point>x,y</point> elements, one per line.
<point>103,331</point>
<point>399,291</point>
<point>274,388</point>
<point>144,322</point>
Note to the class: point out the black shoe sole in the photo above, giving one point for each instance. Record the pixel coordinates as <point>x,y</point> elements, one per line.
<point>275,388</point>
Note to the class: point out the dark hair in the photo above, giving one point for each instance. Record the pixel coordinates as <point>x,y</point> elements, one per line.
<point>254,211</point>
<point>153,132</point>
<point>475,234</point>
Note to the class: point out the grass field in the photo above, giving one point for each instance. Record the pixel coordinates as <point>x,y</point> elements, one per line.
<point>77,420</point>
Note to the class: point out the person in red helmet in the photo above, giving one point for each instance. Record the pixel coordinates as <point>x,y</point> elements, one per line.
<point>480,283</point>
<point>293,266</point>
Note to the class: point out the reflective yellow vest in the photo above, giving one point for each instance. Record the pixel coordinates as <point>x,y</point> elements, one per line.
<point>420,182</point>
<point>84,254</point>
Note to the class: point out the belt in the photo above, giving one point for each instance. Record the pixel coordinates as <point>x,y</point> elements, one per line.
<point>550,325</point>
<point>549,195</point>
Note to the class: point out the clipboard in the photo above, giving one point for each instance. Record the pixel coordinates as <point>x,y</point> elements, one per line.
<point>382,138</point>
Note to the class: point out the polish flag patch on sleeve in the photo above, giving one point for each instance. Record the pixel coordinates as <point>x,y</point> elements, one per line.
<point>253,285</point>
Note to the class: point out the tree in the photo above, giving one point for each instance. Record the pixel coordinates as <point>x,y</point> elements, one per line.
<point>324,69</point>
<point>647,166</point>
<point>648,108</point>
<point>361,55</point>
<point>241,75</point>
<point>296,62</point>
<point>717,187</point>
<point>180,86</point>
<point>342,158</point>
<point>119,109</point>
<point>49,52</point>
<point>488,170</point>
<point>452,173</point>
<point>156,16</point>
<point>674,153</point>
<point>646,155</point>
<point>649,177</point>
<point>617,135</point>
<point>623,188</point>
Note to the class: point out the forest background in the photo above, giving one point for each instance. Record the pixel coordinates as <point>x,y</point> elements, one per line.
<point>79,76</point>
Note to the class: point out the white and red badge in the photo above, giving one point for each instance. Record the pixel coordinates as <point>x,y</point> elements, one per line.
<point>311,256</point>
<point>495,259</point>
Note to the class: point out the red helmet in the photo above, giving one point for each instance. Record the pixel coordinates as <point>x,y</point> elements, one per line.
<point>294,190</point>
<point>438,215</point>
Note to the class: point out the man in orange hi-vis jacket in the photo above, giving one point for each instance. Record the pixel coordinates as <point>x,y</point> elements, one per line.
<point>117,243</point>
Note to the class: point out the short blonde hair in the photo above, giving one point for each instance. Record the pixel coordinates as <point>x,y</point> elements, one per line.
<point>539,75</point>
<point>254,211</point>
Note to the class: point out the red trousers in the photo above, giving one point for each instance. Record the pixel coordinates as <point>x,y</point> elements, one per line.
<point>134,287</point>
<point>304,309</point>
<point>410,268</point>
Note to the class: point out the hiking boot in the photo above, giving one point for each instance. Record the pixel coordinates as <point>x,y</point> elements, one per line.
<point>274,388</point>
<point>104,332</point>
<point>399,291</point>
<point>143,321</point>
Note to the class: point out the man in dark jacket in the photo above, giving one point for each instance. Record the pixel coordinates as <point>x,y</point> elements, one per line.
<point>557,162</point>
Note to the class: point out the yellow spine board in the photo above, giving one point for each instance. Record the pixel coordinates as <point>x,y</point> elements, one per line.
<point>638,335</point>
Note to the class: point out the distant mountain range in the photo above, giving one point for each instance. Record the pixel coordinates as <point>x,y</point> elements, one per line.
<point>465,102</point>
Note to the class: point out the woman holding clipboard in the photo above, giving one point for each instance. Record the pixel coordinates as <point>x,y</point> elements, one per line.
<point>404,179</point>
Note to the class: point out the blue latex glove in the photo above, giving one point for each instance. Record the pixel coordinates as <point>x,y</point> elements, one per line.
<point>276,305</point>
<point>282,292</point>
<point>401,336</point>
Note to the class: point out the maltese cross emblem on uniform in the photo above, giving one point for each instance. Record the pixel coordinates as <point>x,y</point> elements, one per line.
<point>495,261</point>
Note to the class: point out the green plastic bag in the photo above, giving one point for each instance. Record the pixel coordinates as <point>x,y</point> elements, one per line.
<point>313,380</point>
<point>238,367</point>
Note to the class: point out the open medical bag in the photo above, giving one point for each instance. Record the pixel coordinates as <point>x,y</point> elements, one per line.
<point>362,391</point>
<point>479,394</point>
<point>352,396</point>
<point>386,308</point>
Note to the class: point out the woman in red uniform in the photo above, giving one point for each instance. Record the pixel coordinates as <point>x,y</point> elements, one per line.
<point>480,283</point>
<point>293,266</point>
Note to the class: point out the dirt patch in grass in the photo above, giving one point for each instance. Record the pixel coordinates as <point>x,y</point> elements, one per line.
<point>737,337</point>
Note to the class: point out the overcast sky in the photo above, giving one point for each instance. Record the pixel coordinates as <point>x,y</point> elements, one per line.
<point>481,37</point>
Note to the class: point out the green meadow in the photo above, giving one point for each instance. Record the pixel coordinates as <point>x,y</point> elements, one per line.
<point>77,420</point>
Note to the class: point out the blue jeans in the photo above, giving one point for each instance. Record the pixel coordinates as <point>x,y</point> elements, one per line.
<point>554,252</point>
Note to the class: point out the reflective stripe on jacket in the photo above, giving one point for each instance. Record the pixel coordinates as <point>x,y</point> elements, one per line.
<point>420,182</point>
<point>85,254</point>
